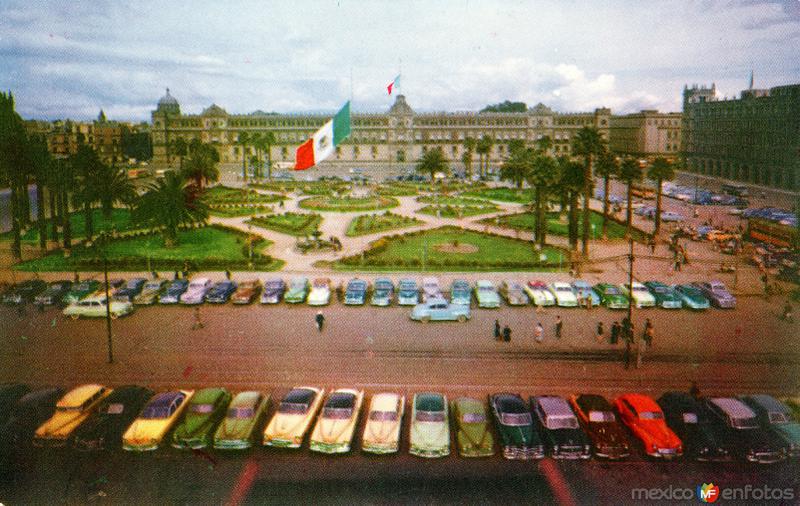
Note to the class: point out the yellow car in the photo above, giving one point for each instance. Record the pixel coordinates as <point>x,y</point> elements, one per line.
<point>297,410</point>
<point>337,423</point>
<point>71,411</point>
<point>156,419</point>
<point>382,430</point>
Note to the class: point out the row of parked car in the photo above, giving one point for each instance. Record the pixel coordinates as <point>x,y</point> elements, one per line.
<point>754,428</point>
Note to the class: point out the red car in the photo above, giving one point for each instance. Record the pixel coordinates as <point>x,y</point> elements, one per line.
<point>646,420</point>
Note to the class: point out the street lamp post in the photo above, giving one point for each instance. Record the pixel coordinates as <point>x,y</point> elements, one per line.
<point>630,285</point>
<point>102,239</point>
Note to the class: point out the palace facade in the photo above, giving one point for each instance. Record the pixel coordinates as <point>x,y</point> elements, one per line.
<point>646,134</point>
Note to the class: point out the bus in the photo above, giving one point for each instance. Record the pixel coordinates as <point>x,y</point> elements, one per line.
<point>772,233</point>
<point>738,190</point>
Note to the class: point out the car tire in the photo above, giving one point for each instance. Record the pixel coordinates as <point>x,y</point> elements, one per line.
<point>462,318</point>
<point>425,319</point>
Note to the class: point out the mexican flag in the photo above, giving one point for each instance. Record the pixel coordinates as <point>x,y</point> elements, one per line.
<point>324,141</point>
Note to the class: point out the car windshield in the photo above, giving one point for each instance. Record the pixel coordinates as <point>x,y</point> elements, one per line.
<point>337,413</point>
<point>155,412</point>
<point>660,289</point>
<point>690,418</point>
<point>430,416</point>
<point>562,422</point>
<point>152,286</point>
<point>651,415</point>
<point>516,419</point>
<point>293,408</point>
<point>612,290</point>
<point>473,418</point>
<point>777,417</point>
<point>202,408</point>
<point>639,289</point>
<point>240,413</point>
<point>563,289</point>
<point>114,408</point>
<point>601,416</point>
<point>744,423</point>
<point>486,288</point>
<point>383,416</point>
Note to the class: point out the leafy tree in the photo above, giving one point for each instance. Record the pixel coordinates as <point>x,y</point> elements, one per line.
<point>114,188</point>
<point>587,143</point>
<point>180,148</point>
<point>571,183</point>
<point>466,157</point>
<point>630,172</point>
<point>544,176</point>
<point>660,170</point>
<point>433,161</point>
<point>607,168</point>
<point>167,204</point>
<point>243,140</point>
<point>137,145</point>
<point>201,165</point>
<point>544,144</point>
<point>518,166</point>
<point>506,106</point>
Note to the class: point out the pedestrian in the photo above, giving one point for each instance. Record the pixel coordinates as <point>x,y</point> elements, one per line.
<point>77,278</point>
<point>627,354</point>
<point>227,274</point>
<point>280,203</point>
<point>177,276</point>
<point>579,296</point>
<point>653,245</point>
<point>559,326</point>
<point>154,274</point>
<point>507,334</point>
<point>539,332</point>
<point>600,332</point>
<point>639,354</point>
<point>647,336</point>
<point>198,322</point>
<point>589,301</point>
<point>615,329</point>
<point>185,268</point>
<point>787,312</point>
<point>497,330</point>
<point>320,319</point>
<point>694,390</point>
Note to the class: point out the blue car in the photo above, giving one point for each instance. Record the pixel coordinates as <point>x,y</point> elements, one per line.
<point>692,297</point>
<point>172,294</point>
<point>131,289</point>
<point>383,292</point>
<point>407,292</point>
<point>460,292</point>
<point>220,292</point>
<point>356,292</point>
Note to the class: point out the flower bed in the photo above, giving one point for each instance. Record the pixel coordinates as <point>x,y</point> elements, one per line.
<point>298,224</point>
<point>372,223</point>
<point>348,204</point>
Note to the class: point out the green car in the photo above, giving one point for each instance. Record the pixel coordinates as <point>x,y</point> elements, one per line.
<point>81,290</point>
<point>486,294</point>
<point>775,416</point>
<point>518,437</point>
<point>243,421</point>
<point>206,408</point>
<point>611,296</point>
<point>297,291</point>
<point>664,294</point>
<point>473,436</point>
<point>692,297</point>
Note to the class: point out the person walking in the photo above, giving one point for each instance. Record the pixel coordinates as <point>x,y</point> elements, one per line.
<point>507,334</point>
<point>627,354</point>
<point>600,332</point>
<point>639,353</point>
<point>497,330</point>
<point>227,274</point>
<point>787,313</point>
<point>539,332</point>
<point>320,319</point>
<point>198,322</point>
<point>615,330</point>
<point>649,331</point>
<point>589,301</point>
<point>559,326</point>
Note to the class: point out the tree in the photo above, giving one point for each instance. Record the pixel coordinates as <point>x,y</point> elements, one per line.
<point>88,169</point>
<point>543,144</point>
<point>12,156</point>
<point>607,168</point>
<point>630,171</point>
<point>167,204</point>
<point>180,148</point>
<point>114,188</point>
<point>466,157</point>
<point>587,143</point>
<point>243,140</point>
<point>506,106</point>
<point>40,165</point>
<point>661,170</point>
<point>201,165</point>
<point>518,166</point>
<point>267,141</point>
<point>433,161</point>
<point>484,149</point>
<point>544,176</point>
<point>571,183</point>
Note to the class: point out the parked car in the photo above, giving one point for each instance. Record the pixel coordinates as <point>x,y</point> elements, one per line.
<point>691,297</point>
<point>645,419</point>
<point>717,294</point>
<point>131,289</point>
<point>54,294</point>
<point>320,294</point>
<point>440,310</point>
<point>539,294</point>
<point>430,428</point>
<point>243,420</point>
<point>559,428</point>
<point>205,410</point>
<point>670,216</point>
<point>297,291</point>
<point>584,289</point>
<point>640,295</point>
<point>597,418</point>
<point>356,292</point>
<point>473,436</point>
<point>518,437</point>
<point>486,294</point>
<point>95,307</point>
<point>174,291</point>
<point>563,293</point>
<point>72,410</point>
<point>337,421</point>
<point>752,443</point>
<point>159,415</point>
<point>151,291</point>
<point>664,295</point>
<point>513,293</point>
<point>431,288</point>
<point>611,296</point>
<point>24,292</point>
<point>246,291</point>
<point>80,290</point>
<point>104,430</point>
<point>775,416</point>
<point>691,421</point>
<point>382,292</point>
<point>460,292</point>
<point>384,420</point>
<point>297,410</point>
<point>196,291</point>
<point>407,292</point>
<point>10,393</point>
<point>24,417</point>
<point>220,292</point>
<point>273,291</point>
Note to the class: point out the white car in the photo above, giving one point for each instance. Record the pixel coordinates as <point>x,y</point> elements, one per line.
<point>320,294</point>
<point>641,296</point>
<point>94,306</point>
<point>196,291</point>
<point>565,296</point>
<point>431,289</point>
<point>539,294</point>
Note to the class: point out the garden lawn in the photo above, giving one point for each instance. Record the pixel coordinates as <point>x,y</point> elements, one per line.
<point>453,201</point>
<point>456,211</point>
<point>373,223</point>
<point>525,221</point>
<point>225,195</point>
<point>120,221</point>
<point>236,211</point>
<point>502,194</point>
<point>348,204</point>
<point>298,224</point>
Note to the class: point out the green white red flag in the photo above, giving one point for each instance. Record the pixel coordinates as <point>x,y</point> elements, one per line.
<point>324,141</point>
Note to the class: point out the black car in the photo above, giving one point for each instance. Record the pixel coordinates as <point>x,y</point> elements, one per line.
<point>54,293</point>
<point>750,441</point>
<point>559,427</point>
<point>776,417</point>
<point>692,422</point>
<point>10,393</point>
<point>24,292</point>
<point>28,413</point>
<point>220,292</point>
<point>116,413</point>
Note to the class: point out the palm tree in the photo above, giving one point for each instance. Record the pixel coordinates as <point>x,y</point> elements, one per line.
<point>607,168</point>
<point>180,148</point>
<point>40,165</point>
<point>571,183</point>
<point>661,170</point>
<point>518,166</point>
<point>267,141</point>
<point>12,157</point>
<point>257,141</point>
<point>630,171</point>
<point>169,203</point>
<point>243,140</point>
<point>88,167</point>
<point>587,143</point>
<point>114,187</point>
<point>466,157</point>
<point>543,144</point>
<point>484,148</point>
<point>201,166</point>
<point>433,161</point>
<point>544,176</point>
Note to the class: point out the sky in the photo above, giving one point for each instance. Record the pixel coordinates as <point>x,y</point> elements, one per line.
<point>70,59</point>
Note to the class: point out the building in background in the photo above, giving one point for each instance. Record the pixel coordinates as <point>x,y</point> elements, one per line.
<point>399,135</point>
<point>752,139</point>
<point>646,134</point>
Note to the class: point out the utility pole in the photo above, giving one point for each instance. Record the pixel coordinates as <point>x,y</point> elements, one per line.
<point>103,242</point>
<point>630,282</point>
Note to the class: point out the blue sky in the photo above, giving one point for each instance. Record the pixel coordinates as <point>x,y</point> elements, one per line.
<point>69,59</point>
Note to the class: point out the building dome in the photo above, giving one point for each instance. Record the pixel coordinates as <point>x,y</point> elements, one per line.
<point>167,103</point>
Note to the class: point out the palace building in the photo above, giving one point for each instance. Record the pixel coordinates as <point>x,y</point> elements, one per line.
<point>646,134</point>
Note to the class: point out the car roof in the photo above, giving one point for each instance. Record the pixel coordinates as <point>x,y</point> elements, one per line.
<point>554,406</point>
<point>341,399</point>
<point>356,282</point>
<point>200,280</point>
<point>733,407</point>
<point>78,395</point>
<point>165,399</point>
<point>300,396</point>
<point>245,399</point>
<point>384,402</point>
<point>484,283</point>
<point>768,402</point>
<point>429,401</point>
<point>511,403</point>
<point>681,401</point>
<point>437,300</point>
<point>641,402</point>
<point>208,395</point>
<point>593,402</point>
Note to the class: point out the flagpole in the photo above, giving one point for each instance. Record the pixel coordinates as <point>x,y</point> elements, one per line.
<point>351,83</point>
<point>400,73</point>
